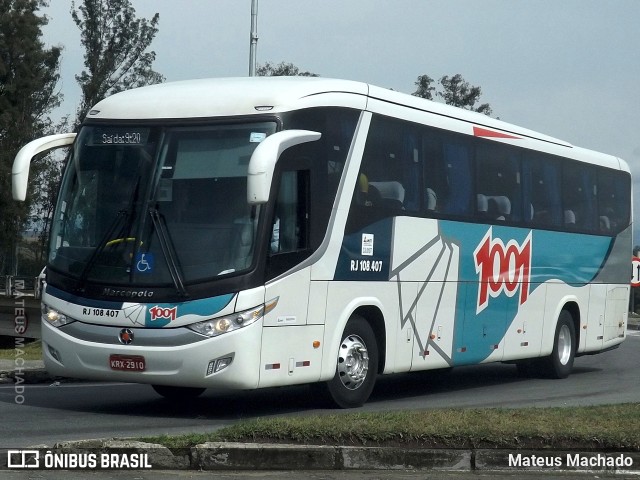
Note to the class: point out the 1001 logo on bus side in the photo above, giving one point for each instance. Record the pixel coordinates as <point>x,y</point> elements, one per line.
<point>502,268</point>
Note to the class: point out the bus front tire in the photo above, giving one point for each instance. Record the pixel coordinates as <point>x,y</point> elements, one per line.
<point>560,363</point>
<point>356,366</point>
<point>177,393</point>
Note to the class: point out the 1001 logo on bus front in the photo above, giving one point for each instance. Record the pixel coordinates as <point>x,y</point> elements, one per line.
<point>502,269</point>
<point>160,313</point>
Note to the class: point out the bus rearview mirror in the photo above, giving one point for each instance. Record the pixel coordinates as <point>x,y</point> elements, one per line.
<point>22,162</point>
<point>264,160</point>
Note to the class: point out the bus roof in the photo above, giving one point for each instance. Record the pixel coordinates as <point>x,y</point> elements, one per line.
<point>207,98</point>
<point>222,97</point>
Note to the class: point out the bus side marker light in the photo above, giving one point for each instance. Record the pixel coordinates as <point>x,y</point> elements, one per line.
<point>272,366</point>
<point>270,305</point>
<point>316,344</point>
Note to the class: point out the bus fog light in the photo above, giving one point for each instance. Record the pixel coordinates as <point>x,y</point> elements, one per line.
<point>219,364</point>
<point>54,353</point>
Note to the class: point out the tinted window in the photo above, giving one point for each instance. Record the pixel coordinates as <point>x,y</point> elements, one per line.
<point>410,169</point>
<point>578,196</point>
<point>390,178</point>
<point>326,158</point>
<point>541,187</point>
<point>498,182</point>
<point>613,200</point>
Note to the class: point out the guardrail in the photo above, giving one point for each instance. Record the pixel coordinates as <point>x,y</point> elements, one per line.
<point>21,286</point>
<point>20,305</point>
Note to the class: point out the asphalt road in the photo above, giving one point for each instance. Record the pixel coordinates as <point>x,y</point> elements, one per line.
<point>74,411</point>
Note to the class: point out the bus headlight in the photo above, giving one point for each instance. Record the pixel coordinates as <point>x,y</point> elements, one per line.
<point>54,317</point>
<point>218,326</point>
<point>229,323</point>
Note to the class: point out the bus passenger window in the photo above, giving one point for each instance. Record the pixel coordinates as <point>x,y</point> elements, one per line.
<point>458,174</point>
<point>541,188</point>
<point>498,180</point>
<point>578,196</point>
<point>613,201</point>
<point>390,174</point>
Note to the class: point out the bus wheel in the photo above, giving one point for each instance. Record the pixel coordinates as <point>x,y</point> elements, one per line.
<point>177,393</point>
<point>560,363</point>
<point>357,365</point>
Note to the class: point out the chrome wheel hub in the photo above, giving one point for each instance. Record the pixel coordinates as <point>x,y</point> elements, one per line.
<point>564,345</point>
<point>353,362</point>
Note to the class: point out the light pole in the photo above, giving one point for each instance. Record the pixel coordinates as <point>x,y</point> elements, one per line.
<point>253,38</point>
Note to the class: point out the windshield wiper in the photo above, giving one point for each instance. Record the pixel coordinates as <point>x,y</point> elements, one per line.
<point>104,242</point>
<point>169,251</point>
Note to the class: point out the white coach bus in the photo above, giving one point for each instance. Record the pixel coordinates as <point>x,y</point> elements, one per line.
<point>257,232</point>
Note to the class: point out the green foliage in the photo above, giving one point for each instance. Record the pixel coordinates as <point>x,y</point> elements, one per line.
<point>425,87</point>
<point>283,69</point>
<point>115,44</point>
<point>29,73</point>
<point>30,351</point>
<point>454,91</point>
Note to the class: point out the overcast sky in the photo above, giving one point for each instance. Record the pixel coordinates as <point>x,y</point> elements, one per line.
<point>566,68</point>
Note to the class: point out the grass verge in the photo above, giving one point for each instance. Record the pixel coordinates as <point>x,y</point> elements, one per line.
<point>609,427</point>
<point>27,351</point>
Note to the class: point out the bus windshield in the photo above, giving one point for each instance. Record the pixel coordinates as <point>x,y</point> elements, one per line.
<point>157,206</point>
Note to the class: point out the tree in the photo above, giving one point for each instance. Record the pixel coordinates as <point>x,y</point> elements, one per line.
<point>29,73</point>
<point>46,181</point>
<point>115,44</point>
<point>281,70</point>
<point>425,87</point>
<point>454,91</point>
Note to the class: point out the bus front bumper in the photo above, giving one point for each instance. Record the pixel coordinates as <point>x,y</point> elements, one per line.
<point>236,354</point>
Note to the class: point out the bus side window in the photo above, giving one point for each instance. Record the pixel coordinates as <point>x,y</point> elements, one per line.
<point>289,242</point>
<point>498,180</point>
<point>579,196</point>
<point>290,222</point>
<point>541,188</point>
<point>389,180</point>
<point>457,167</point>
<point>613,201</point>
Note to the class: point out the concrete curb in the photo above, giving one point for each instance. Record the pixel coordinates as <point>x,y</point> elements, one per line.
<point>24,371</point>
<point>222,456</point>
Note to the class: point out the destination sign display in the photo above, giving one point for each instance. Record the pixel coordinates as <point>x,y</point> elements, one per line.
<point>120,136</point>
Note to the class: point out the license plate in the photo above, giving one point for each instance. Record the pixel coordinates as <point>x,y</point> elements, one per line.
<point>127,363</point>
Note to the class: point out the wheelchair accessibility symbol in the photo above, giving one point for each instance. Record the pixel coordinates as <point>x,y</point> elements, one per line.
<point>145,262</point>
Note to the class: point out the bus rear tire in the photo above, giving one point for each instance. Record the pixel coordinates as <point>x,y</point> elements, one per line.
<point>356,366</point>
<point>560,363</point>
<point>178,393</point>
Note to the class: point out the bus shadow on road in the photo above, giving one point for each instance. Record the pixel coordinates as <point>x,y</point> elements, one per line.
<point>467,386</point>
